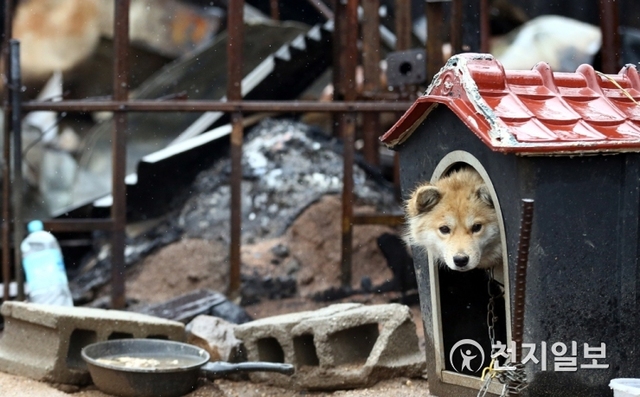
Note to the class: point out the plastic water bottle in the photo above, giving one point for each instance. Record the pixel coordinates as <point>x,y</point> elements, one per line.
<point>44,267</point>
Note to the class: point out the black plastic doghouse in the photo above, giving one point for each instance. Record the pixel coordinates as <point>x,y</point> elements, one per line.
<point>571,142</point>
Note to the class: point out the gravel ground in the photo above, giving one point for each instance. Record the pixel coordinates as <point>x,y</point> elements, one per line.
<point>16,386</point>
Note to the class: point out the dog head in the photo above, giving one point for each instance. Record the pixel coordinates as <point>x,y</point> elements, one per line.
<point>456,221</point>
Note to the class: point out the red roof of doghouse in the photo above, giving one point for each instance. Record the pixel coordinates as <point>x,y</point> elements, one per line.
<point>534,111</point>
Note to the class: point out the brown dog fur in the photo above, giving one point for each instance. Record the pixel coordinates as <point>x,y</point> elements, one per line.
<point>456,221</point>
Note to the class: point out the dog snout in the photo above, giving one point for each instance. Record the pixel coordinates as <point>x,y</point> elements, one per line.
<point>461,260</point>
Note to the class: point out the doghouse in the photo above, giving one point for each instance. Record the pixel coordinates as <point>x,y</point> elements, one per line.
<point>571,142</point>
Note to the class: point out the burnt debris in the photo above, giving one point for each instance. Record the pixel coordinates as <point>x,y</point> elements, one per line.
<point>287,166</point>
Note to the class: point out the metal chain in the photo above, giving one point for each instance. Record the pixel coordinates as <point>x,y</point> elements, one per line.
<point>491,315</point>
<point>515,379</point>
<point>511,375</point>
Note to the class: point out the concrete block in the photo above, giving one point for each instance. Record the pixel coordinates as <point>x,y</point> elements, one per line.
<point>44,342</point>
<point>339,347</point>
<point>269,339</point>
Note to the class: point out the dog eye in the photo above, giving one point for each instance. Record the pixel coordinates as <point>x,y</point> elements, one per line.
<point>476,228</point>
<point>445,230</point>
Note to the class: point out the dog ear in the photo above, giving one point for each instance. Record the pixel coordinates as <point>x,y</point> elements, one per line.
<point>423,200</point>
<point>484,195</point>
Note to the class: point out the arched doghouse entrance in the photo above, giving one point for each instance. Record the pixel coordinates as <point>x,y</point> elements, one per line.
<point>459,301</point>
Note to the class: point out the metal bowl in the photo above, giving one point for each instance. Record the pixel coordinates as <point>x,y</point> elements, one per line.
<point>176,376</point>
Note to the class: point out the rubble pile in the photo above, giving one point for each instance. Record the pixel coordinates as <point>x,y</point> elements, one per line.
<point>287,167</point>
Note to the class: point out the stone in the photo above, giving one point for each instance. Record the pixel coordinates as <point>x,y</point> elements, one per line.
<point>216,336</point>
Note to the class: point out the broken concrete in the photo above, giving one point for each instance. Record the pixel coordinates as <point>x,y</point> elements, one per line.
<point>44,342</point>
<point>216,336</point>
<point>269,339</point>
<point>358,347</point>
<point>339,347</point>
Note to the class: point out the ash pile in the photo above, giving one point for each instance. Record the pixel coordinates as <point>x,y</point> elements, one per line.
<point>288,168</point>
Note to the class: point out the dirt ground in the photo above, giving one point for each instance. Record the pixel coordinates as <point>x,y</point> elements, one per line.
<point>313,243</point>
<point>16,386</point>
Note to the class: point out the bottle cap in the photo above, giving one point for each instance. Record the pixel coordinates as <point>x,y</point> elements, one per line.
<point>35,226</point>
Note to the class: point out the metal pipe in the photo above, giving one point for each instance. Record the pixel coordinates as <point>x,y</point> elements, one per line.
<point>521,275</point>
<point>274,9</point>
<point>6,152</point>
<point>234,93</point>
<point>385,96</point>
<point>609,24</point>
<point>403,24</point>
<point>485,29</point>
<point>377,219</point>
<point>235,257</point>
<point>403,27</point>
<point>119,152</point>
<point>16,127</point>
<point>456,28</point>
<point>434,14</point>
<point>348,72</point>
<point>338,44</point>
<point>349,124</point>
<point>79,225</point>
<point>371,66</point>
<point>206,105</point>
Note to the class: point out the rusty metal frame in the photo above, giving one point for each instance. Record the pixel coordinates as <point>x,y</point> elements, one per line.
<point>120,105</point>
<point>274,10</point>
<point>119,151</point>
<point>609,23</point>
<point>15,83</point>
<point>6,152</point>
<point>344,66</point>
<point>434,12</point>
<point>234,93</point>
<point>210,105</point>
<point>371,68</point>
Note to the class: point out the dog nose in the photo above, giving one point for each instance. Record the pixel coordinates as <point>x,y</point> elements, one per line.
<point>461,260</point>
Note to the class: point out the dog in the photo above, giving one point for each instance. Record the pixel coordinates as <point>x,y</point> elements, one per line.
<point>455,220</point>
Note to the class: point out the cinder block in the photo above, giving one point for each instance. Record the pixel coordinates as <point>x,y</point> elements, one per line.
<point>44,342</point>
<point>339,347</point>
<point>269,339</point>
